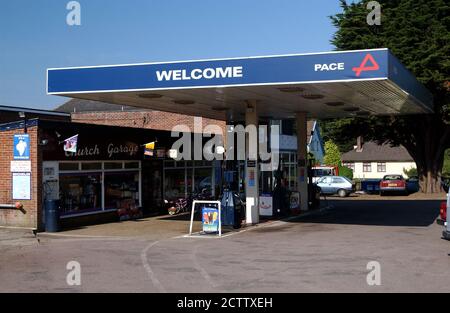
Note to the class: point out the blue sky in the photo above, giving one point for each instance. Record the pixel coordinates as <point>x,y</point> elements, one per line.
<point>34,35</point>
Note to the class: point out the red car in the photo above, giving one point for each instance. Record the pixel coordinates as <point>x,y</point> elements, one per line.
<point>442,220</point>
<point>393,183</point>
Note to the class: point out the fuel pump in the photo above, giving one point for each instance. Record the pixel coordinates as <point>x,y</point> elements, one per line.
<point>313,189</point>
<point>231,203</point>
<point>281,195</point>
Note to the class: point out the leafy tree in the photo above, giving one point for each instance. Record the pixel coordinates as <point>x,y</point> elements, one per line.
<point>410,172</point>
<point>417,32</point>
<point>446,167</point>
<point>345,171</point>
<point>332,154</point>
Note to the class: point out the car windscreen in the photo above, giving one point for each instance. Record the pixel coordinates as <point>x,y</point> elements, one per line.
<point>392,177</point>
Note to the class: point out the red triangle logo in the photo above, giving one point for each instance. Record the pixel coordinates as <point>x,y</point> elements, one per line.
<point>363,66</point>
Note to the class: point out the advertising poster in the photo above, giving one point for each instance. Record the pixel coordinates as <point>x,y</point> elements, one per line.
<point>210,220</point>
<point>21,147</point>
<point>295,202</point>
<point>21,185</point>
<point>265,205</point>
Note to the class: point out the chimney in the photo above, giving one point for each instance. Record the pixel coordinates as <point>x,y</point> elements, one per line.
<point>359,143</point>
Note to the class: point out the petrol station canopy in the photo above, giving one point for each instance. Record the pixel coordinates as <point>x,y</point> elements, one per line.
<point>324,85</point>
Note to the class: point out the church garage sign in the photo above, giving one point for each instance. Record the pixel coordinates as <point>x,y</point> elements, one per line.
<point>106,151</point>
<point>95,147</point>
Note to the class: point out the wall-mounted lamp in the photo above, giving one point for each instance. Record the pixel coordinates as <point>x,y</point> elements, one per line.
<point>43,142</point>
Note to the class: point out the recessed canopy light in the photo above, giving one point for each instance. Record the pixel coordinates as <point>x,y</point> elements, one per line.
<point>352,109</point>
<point>184,102</point>
<point>335,104</point>
<point>313,96</point>
<point>150,96</point>
<point>291,89</point>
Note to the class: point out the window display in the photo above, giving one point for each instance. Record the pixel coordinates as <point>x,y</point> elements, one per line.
<point>92,186</point>
<point>203,180</point>
<point>121,190</point>
<point>174,184</point>
<point>80,192</point>
<point>185,178</point>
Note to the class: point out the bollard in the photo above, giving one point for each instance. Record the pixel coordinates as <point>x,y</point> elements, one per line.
<point>52,224</point>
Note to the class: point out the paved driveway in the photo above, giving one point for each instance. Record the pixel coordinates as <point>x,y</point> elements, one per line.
<point>323,252</point>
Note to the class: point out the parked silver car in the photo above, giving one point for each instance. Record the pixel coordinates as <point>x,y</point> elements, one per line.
<point>330,185</point>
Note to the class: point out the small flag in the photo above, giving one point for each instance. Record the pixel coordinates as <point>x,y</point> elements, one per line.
<point>150,148</point>
<point>70,144</point>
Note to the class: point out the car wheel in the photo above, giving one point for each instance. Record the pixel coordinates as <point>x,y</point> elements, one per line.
<point>342,193</point>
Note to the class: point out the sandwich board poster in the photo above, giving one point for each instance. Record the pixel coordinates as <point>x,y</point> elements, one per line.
<point>295,202</point>
<point>21,186</point>
<point>265,205</point>
<point>21,147</point>
<point>210,220</point>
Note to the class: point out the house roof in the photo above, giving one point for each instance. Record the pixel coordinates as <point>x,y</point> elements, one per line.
<point>81,105</point>
<point>372,151</point>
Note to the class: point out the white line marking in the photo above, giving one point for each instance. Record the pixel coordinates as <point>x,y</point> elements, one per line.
<point>148,268</point>
<point>202,271</point>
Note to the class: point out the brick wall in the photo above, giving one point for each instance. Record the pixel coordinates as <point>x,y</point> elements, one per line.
<point>142,119</point>
<point>31,216</point>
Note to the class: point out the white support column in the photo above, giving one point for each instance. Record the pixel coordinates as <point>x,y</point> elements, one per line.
<point>251,165</point>
<point>302,162</point>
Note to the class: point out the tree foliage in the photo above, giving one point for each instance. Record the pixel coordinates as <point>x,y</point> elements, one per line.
<point>345,171</point>
<point>418,33</point>
<point>332,154</point>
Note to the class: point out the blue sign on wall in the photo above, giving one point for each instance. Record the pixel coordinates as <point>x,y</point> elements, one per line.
<point>21,147</point>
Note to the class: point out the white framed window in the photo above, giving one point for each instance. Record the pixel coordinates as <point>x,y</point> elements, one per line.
<point>367,167</point>
<point>381,167</point>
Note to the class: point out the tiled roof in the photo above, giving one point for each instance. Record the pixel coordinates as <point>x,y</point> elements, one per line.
<point>372,151</point>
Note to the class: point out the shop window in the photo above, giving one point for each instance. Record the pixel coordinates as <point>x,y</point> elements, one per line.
<point>202,163</point>
<point>265,185</point>
<point>288,127</point>
<point>130,165</point>
<point>91,166</point>
<point>189,181</point>
<point>113,165</point>
<point>293,177</point>
<point>69,166</point>
<point>174,184</point>
<point>80,193</point>
<point>169,164</point>
<point>121,190</point>
<point>203,179</point>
